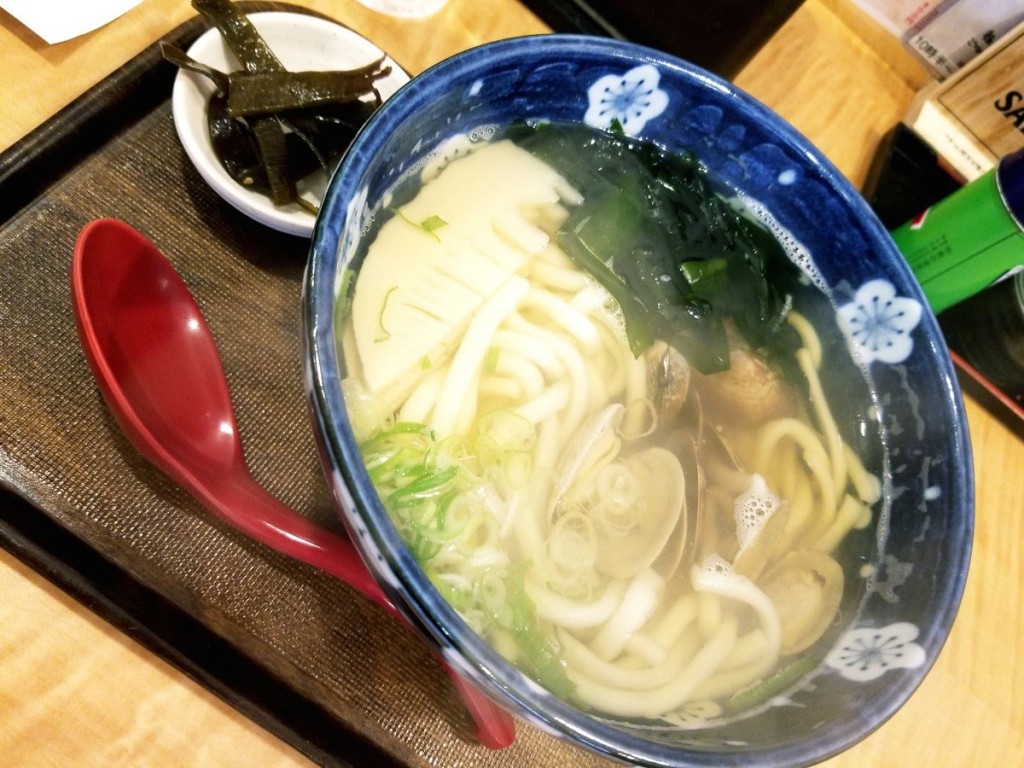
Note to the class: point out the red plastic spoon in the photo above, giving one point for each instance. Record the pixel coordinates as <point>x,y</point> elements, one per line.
<point>158,368</point>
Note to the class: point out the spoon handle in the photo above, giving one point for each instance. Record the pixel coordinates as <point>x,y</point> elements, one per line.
<point>252,510</point>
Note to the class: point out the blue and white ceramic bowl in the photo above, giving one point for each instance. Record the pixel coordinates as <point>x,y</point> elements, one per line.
<point>904,593</point>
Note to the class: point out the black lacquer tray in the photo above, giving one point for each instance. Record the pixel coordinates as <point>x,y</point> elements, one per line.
<point>298,652</point>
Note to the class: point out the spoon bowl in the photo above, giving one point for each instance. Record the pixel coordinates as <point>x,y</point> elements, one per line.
<point>159,371</point>
<point>141,328</point>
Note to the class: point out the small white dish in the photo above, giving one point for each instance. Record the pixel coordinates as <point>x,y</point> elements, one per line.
<point>301,42</point>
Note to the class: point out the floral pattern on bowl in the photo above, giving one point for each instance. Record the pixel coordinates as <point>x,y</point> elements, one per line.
<point>880,323</point>
<point>866,654</point>
<point>629,100</point>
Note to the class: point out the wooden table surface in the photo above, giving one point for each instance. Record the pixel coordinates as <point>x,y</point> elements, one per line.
<point>76,692</point>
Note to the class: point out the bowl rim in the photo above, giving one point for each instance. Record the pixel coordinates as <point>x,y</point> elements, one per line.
<point>393,563</point>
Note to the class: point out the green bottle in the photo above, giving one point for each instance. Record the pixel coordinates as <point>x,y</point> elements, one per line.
<point>971,239</point>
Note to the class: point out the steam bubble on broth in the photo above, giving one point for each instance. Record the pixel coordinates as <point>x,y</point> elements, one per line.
<point>582,506</point>
<point>753,510</point>
<point>795,250</point>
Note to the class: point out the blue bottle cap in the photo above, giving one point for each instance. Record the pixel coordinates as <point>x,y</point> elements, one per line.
<point>1010,181</point>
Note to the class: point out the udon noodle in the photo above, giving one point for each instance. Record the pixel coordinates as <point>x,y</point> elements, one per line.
<point>640,537</point>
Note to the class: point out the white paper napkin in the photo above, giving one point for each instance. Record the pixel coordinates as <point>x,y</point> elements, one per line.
<point>58,20</point>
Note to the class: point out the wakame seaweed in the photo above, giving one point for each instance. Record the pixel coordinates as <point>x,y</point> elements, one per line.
<point>269,127</point>
<point>257,93</point>
<point>678,257</point>
<point>241,36</point>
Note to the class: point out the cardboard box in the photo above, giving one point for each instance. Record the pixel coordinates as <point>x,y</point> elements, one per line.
<point>976,116</point>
